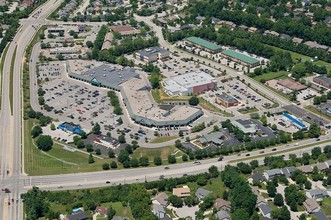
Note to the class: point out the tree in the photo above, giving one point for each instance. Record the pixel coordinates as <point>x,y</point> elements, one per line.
<point>193,101</point>
<point>254,164</point>
<point>171,159</point>
<point>143,161</point>
<point>271,188</point>
<point>41,100</point>
<point>80,144</point>
<point>111,213</point>
<point>44,120</point>
<point>157,161</point>
<point>44,142</point>
<point>90,159</point>
<point>121,139</point>
<point>281,214</point>
<point>98,151</point>
<point>113,165</point>
<point>96,129</point>
<point>184,157</point>
<point>314,131</point>
<point>202,180</point>
<point>278,200</point>
<point>105,166</point>
<point>89,44</point>
<point>53,128</point>
<point>36,131</point>
<point>123,156</point>
<point>264,120</point>
<point>240,214</point>
<point>315,152</point>
<point>134,162</point>
<point>111,153</point>
<point>175,201</point>
<point>302,217</point>
<point>181,133</point>
<point>89,147</point>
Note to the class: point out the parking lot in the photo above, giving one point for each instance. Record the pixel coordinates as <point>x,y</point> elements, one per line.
<point>277,119</point>
<point>83,104</point>
<point>247,98</point>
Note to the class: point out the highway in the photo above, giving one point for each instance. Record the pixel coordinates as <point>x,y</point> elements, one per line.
<point>11,132</point>
<point>11,119</point>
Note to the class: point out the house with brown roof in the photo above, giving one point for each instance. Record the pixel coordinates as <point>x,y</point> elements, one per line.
<point>221,204</point>
<point>306,169</point>
<point>101,210</point>
<point>322,166</point>
<point>297,40</point>
<point>181,192</point>
<point>311,205</point>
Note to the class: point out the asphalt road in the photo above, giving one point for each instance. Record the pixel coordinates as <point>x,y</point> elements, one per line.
<point>11,119</point>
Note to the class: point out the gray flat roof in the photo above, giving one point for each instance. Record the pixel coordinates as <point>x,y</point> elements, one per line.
<point>106,75</point>
<point>150,52</point>
<point>226,98</point>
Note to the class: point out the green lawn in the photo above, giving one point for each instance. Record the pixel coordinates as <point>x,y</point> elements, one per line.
<point>210,107</point>
<point>121,210</point>
<point>37,163</point>
<point>4,53</point>
<point>163,139</point>
<point>163,152</point>
<point>326,206</point>
<point>252,110</point>
<point>11,79</point>
<point>271,75</point>
<point>215,185</point>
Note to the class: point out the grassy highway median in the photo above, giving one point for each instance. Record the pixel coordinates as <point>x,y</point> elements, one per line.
<point>11,86</point>
<point>1,70</point>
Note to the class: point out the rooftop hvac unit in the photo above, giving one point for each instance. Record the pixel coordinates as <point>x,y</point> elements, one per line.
<point>104,75</point>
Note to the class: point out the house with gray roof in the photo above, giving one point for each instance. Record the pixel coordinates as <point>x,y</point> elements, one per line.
<point>152,54</point>
<point>265,210</point>
<point>162,198</point>
<point>306,169</point>
<point>79,215</point>
<point>270,174</point>
<point>257,177</point>
<point>317,194</point>
<point>288,171</point>
<point>202,193</point>
<point>285,37</point>
<point>222,215</point>
<point>322,166</point>
<point>159,211</point>
<point>221,204</point>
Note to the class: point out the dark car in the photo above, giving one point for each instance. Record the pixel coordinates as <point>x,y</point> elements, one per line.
<point>166,168</point>
<point>161,177</point>
<point>220,158</point>
<point>247,155</point>
<point>107,182</point>
<point>274,149</point>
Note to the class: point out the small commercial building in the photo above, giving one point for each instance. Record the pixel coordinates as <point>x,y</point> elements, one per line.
<point>291,84</point>
<point>245,126</point>
<point>226,100</point>
<point>323,81</point>
<point>152,54</point>
<point>291,119</point>
<point>203,44</point>
<point>189,83</point>
<point>240,58</point>
<point>71,127</point>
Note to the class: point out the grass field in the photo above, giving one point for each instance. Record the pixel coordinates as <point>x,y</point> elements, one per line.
<point>37,163</point>
<point>121,210</point>
<point>210,107</point>
<point>4,53</point>
<point>163,139</point>
<point>163,152</point>
<point>11,79</point>
<point>271,75</point>
<point>215,185</point>
<point>326,207</point>
<point>160,96</point>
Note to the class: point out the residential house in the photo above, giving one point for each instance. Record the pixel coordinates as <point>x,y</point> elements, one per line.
<point>305,3</point>
<point>265,210</point>
<point>311,205</point>
<point>298,11</point>
<point>328,163</point>
<point>222,215</point>
<point>314,44</point>
<point>214,20</point>
<point>320,216</point>
<point>306,169</point>
<point>243,27</point>
<point>322,166</point>
<point>270,174</point>
<point>200,18</point>
<point>221,204</point>
<point>297,40</point>
<point>159,211</point>
<point>257,177</point>
<point>271,33</point>
<point>260,200</point>
<point>289,5</point>
<point>317,193</point>
<point>103,211</point>
<point>255,190</point>
<point>79,215</point>
<point>288,171</point>
<point>285,37</point>
<point>252,29</point>
<point>181,192</point>
<point>202,193</point>
<point>162,199</point>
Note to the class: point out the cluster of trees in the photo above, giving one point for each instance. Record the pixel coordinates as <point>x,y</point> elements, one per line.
<point>322,99</point>
<point>128,45</point>
<point>154,77</point>
<point>99,41</point>
<point>42,120</point>
<point>198,127</point>
<point>301,28</point>
<point>300,70</point>
<point>193,101</point>
<point>44,142</point>
<point>242,206</point>
<point>239,134</point>
<point>41,100</point>
<point>125,159</point>
<point>118,14</point>
<point>115,102</point>
<point>294,197</point>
